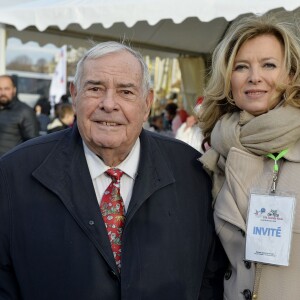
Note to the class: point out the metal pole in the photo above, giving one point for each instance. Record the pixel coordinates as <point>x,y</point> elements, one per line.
<point>2,49</point>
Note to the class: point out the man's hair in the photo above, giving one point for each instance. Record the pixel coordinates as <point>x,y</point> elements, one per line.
<point>106,48</point>
<point>171,108</point>
<point>64,109</point>
<point>11,79</point>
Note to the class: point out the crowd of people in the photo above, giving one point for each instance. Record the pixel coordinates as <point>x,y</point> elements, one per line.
<point>178,123</point>
<point>120,205</point>
<point>19,122</point>
<point>62,118</point>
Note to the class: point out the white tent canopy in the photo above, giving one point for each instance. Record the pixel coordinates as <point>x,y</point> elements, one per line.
<point>171,26</point>
<point>157,27</point>
<point>45,13</point>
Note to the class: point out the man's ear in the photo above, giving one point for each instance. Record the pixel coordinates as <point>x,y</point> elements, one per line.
<point>73,92</point>
<point>149,102</point>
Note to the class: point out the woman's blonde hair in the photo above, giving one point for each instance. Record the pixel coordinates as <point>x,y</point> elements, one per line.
<point>217,95</point>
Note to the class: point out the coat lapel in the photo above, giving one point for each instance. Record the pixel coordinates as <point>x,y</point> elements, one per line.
<point>65,173</point>
<point>153,174</point>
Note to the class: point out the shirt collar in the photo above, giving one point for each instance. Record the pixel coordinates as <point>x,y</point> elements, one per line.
<point>129,166</point>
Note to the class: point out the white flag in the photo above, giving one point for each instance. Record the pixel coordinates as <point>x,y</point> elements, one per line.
<point>58,85</point>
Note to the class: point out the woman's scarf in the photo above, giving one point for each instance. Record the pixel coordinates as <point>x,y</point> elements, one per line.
<point>271,132</point>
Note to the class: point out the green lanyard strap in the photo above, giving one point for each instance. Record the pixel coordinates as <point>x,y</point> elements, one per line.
<point>275,169</point>
<point>278,157</point>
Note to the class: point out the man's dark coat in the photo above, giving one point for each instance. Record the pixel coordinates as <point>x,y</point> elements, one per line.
<point>53,241</point>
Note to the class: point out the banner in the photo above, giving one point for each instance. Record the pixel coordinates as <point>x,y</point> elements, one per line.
<point>58,85</point>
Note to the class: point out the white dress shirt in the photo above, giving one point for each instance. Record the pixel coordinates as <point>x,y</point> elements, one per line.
<point>101,181</point>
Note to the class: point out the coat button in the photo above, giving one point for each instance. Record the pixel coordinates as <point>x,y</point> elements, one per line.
<point>247,294</point>
<point>227,274</point>
<point>247,264</point>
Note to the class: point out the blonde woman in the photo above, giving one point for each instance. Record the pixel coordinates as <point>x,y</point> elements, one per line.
<point>251,120</point>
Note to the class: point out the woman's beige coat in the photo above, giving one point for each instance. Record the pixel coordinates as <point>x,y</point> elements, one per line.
<point>244,172</point>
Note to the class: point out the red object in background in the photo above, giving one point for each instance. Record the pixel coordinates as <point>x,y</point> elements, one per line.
<point>183,115</point>
<point>199,100</point>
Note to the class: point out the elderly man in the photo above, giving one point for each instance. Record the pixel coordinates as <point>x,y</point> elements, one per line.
<point>18,122</point>
<point>107,210</point>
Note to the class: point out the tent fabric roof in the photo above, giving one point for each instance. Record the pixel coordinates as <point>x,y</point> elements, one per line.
<point>170,26</point>
<point>45,13</point>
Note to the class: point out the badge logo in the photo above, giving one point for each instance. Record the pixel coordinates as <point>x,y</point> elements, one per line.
<point>260,212</point>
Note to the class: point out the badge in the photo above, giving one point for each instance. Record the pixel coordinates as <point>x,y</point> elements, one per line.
<point>269,228</point>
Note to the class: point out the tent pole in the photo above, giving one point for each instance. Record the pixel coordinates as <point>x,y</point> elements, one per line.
<point>2,49</point>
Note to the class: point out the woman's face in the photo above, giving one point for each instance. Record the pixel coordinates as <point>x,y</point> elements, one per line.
<point>258,67</point>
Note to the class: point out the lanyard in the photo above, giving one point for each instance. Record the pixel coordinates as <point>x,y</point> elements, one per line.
<point>276,167</point>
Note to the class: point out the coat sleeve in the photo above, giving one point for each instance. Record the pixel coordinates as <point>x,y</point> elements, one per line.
<point>8,284</point>
<point>29,125</point>
<point>212,284</point>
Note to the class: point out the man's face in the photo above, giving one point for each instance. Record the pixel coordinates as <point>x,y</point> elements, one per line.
<point>110,104</point>
<point>7,90</point>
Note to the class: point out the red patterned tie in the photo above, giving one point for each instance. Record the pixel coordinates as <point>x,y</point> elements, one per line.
<point>113,213</point>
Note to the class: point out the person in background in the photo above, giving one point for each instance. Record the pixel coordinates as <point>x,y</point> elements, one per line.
<point>172,118</point>
<point>251,119</point>
<point>42,109</point>
<point>181,113</point>
<point>189,131</point>
<point>64,119</point>
<point>178,120</point>
<point>107,210</point>
<point>64,99</point>
<point>170,113</point>
<point>156,123</point>
<point>18,122</point>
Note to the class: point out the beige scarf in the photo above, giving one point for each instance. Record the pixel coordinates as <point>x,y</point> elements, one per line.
<point>271,132</point>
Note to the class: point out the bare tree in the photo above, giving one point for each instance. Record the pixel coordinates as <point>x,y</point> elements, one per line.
<point>21,63</point>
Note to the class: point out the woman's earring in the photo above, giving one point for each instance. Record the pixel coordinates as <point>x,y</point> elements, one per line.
<point>284,96</point>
